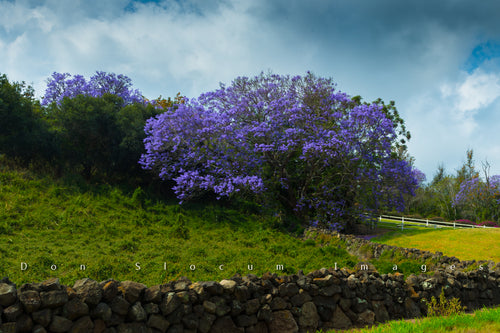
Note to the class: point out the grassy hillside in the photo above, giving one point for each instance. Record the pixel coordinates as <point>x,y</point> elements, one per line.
<point>66,223</point>
<point>59,226</point>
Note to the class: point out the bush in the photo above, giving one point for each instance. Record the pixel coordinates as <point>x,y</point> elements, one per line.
<point>444,307</point>
<point>489,224</point>
<point>465,221</point>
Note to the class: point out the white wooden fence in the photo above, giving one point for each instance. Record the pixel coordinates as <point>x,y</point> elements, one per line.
<point>407,222</point>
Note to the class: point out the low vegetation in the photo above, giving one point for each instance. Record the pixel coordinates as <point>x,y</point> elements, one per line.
<point>481,321</point>
<point>444,307</point>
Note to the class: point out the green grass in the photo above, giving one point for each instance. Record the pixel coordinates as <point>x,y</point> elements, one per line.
<point>485,320</point>
<point>67,223</point>
<point>107,229</point>
<point>465,244</point>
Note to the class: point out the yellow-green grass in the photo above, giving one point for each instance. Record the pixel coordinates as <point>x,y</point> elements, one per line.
<point>465,244</point>
<point>484,321</point>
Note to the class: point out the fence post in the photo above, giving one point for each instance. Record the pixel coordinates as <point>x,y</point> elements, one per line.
<point>427,223</point>
<point>453,224</point>
<point>402,223</point>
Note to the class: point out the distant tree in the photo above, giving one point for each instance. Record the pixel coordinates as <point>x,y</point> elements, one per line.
<point>295,141</point>
<point>62,85</point>
<point>442,193</point>
<point>439,175</point>
<point>480,199</point>
<point>468,169</point>
<point>167,103</point>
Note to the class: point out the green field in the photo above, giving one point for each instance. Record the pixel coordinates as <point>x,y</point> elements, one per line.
<point>465,244</point>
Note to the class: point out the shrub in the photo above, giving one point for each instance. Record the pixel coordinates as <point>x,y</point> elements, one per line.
<point>444,307</point>
<point>489,224</point>
<point>465,221</point>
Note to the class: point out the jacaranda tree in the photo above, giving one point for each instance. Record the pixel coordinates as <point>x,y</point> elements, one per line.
<point>294,141</point>
<point>479,200</point>
<point>65,85</point>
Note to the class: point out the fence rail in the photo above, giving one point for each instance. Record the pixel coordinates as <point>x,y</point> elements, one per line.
<point>407,222</point>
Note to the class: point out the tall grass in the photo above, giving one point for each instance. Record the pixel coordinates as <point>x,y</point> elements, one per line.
<point>70,230</point>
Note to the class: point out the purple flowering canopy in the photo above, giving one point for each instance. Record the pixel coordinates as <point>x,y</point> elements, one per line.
<point>481,198</point>
<point>295,142</point>
<point>64,85</point>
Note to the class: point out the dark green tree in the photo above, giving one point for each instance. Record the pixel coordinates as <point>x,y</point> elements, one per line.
<point>87,132</point>
<point>23,133</point>
<point>100,138</point>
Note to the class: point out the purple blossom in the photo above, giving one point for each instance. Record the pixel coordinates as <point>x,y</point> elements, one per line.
<point>297,142</point>
<point>482,198</point>
<point>62,85</point>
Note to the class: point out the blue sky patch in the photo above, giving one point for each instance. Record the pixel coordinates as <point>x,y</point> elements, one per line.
<point>481,53</point>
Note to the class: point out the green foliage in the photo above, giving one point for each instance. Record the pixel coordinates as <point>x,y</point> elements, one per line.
<point>23,133</point>
<point>139,197</point>
<point>87,132</point>
<point>98,137</point>
<point>179,229</point>
<point>444,307</point>
<point>309,242</point>
<point>453,197</point>
<point>130,121</point>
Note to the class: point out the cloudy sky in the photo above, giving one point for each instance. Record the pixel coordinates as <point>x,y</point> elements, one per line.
<point>438,60</point>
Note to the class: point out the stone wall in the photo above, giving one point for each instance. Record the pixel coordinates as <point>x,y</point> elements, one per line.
<point>366,250</point>
<point>323,299</point>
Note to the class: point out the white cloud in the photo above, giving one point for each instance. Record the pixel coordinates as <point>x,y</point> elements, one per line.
<point>15,16</point>
<point>455,116</point>
<point>477,91</point>
<point>163,46</point>
<point>473,94</point>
